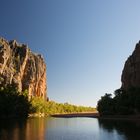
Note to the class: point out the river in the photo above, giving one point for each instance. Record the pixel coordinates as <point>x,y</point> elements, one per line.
<point>69,129</point>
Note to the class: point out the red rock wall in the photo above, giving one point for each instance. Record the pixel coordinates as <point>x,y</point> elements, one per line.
<point>19,66</point>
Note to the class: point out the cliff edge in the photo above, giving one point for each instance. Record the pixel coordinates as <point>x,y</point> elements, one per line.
<point>131,72</point>
<point>23,68</point>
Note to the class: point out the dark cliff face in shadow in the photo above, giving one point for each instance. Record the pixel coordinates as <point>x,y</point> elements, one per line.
<point>130,129</point>
<point>130,75</point>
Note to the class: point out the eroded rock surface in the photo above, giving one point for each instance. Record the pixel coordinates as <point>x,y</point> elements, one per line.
<point>23,68</point>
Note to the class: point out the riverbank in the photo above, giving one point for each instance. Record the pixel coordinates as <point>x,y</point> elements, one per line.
<point>97,115</point>
<point>81,114</point>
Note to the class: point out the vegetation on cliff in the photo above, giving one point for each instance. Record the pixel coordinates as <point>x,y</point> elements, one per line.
<point>125,102</point>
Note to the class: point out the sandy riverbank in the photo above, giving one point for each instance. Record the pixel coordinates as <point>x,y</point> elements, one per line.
<point>96,115</point>
<point>81,114</point>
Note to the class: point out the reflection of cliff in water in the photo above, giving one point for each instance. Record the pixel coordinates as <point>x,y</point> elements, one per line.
<point>31,129</point>
<point>129,129</point>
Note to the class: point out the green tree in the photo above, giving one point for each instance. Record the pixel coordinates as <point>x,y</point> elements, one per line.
<point>13,103</point>
<point>125,102</point>
<point>105,105</point>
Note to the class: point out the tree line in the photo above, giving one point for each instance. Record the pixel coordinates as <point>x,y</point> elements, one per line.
<point>17,104</point>
<point>124,102</point>
<point>50,107</point>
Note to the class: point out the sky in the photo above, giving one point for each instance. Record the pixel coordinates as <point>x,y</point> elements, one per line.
<point>85,43</point>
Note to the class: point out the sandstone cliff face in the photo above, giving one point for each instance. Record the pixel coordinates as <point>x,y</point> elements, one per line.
<point>131,72</point>
<point>19,66</point>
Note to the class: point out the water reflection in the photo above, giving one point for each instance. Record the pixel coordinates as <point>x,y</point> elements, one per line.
<point>31,129</point>
<point>68,129</point>
<point>130,130</point>
<point>72,129</point>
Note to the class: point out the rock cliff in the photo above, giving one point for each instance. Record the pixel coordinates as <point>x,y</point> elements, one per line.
<point>131,72</point>
<point>23,68</point>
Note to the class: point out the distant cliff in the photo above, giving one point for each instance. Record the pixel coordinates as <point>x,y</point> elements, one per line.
<point>131,72</point>
<point>23,68</point>
<point>126,100</point>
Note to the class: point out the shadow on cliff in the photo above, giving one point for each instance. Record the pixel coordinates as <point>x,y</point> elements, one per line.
<point>13,103</point>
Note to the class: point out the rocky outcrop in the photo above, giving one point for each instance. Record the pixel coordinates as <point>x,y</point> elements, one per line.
<point>131,72</point>
<point>21,67</point>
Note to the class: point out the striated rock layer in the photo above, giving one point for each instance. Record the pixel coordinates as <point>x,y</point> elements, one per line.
<point>21,67</point>
<point>131,72</point>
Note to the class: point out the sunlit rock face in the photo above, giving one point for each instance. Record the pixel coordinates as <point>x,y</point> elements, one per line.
<point>131,72</point>
<point>23,68</point>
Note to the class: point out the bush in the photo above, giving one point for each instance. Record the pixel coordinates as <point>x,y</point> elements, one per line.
<point>123,103</point>
<point>13,103</point>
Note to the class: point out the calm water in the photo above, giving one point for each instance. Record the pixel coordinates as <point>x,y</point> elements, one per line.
<point>68,129</point>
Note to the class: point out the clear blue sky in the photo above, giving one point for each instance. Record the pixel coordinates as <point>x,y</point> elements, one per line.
<point>84,42</point>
